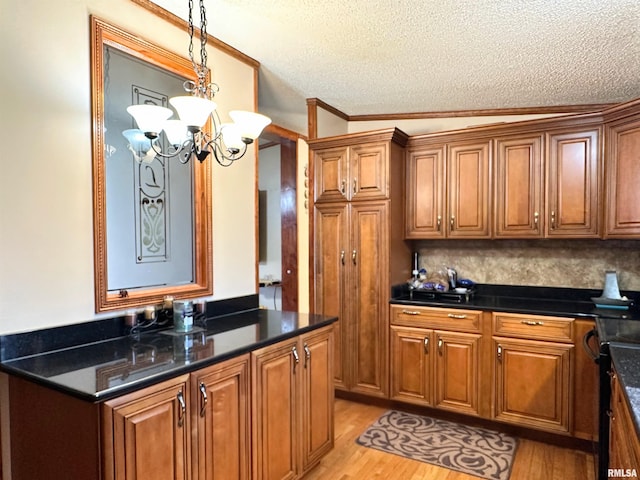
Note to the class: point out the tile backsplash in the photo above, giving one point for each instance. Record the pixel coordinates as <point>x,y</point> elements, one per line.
<point>553,263</point>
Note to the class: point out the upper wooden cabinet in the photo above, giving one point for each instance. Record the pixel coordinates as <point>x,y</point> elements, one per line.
<point>622,208</point>
<point>573,183</point>
<point>448,194</point>
<point>352,173</point>
<point>548,192</point>
<point>518,187</point>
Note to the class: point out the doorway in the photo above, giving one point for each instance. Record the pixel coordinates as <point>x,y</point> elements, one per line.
<point>277,219</point>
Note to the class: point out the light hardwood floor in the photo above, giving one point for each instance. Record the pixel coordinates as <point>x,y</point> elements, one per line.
<point>350,461</point>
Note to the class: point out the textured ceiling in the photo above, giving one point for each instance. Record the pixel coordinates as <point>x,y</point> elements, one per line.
<point>385,56</point>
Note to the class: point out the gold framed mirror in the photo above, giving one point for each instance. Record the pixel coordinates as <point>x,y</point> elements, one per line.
<point>152,216</point>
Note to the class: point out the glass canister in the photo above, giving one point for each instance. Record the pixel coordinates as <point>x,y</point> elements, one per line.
<point>183,315</point>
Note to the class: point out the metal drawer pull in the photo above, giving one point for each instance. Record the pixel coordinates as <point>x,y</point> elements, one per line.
<point>499,352</point>
<point>355,185</point>
<point>535,219</point>
<point>342,186</point>
<point>426,345</point>
<point>204,399</point>
<point>342,257</point>
<point>296,358</point>
<point>410,312</point>
<point>453,315</point>
<point>440,343</point>
<point>439,222</point>
<point>452,221</point>
<point>529,322</point>
<point>183,409</point>
<point>353,256</point>
<point>307,355</point>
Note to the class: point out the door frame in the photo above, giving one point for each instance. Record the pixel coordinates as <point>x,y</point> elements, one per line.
<point>288,141</point>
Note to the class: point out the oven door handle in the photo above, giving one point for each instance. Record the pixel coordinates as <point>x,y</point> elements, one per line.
<point>595,356</point>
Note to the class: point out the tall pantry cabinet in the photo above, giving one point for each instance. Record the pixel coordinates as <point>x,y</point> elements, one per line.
<point>358,249</point>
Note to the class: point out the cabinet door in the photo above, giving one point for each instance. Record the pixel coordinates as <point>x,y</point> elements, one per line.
<point>368,171</point>
<point>148,433</point>
<point>469,190</point>
<point>317,397</point>
<point>624,448</point>
<point>331,170</point>
<point>622,211</point>
<point>533,383</point>
<point>275,407</point>
<point>330,253</point>
<point>585,398</point>
<point>410,365</point>
<point>425,201</point>
<point>456,363</point>
<point>573,185</point>
<point>221,415</point>
<point>366,293</point>
<point>518,199</point>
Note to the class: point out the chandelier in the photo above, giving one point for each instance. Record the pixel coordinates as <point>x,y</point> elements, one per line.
<point>228,142</point>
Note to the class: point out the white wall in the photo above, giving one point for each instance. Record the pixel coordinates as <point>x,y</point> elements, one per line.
<point>46,220</point>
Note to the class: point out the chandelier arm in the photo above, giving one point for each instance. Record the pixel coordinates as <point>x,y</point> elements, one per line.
<point>225,159</point>
<point>187,146</point>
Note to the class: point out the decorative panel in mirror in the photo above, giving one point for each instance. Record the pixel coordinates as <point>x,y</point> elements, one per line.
<point>152,215</point>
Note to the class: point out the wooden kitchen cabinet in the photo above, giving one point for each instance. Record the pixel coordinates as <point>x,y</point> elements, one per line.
<point>352,249</point>
<point>622,207</point>
<point>292,405</point>
<point>147,433</point>
<point>542,400</point>
<point>352,173</point>
<point>425,192</point>
<point>570,163</point>
<point>317,397</point>
<point>358,253</point>
<point>449,190</point>
<point>221,415</point>
<point>585,387</point>
<point>574,173</point>
<point>519,187</point>
<point>435,367</point>
<point>624,448</point>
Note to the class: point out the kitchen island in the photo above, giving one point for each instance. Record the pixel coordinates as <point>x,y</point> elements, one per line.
<point>162,404</point>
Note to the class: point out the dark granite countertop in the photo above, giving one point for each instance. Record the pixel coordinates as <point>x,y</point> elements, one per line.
<point>626,359</point>
<point>567,302</point>
<point>104,369</point>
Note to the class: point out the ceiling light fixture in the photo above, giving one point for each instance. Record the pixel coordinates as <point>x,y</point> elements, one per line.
<point>228,142</point>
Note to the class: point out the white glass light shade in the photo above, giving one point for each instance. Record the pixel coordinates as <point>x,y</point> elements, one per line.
<point>137,140</point>
<point>193,111</point>
<point>231,136</point>
<point>176,131</point>
<point>139,145</point>
<point>250,124</point>
<point>150,118</point>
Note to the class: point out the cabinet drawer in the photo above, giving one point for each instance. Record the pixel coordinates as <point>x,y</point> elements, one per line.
<point>537,327</point>
<point>452,319</point>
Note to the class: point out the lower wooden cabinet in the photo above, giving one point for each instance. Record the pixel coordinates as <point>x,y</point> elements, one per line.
<point>292,405</point>
<point>221,417</point>
<point>624,448</point>
<point>434,366</point>
<point>147,433</point>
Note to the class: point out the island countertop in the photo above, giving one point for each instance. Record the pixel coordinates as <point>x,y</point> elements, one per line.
<point>104,369</point>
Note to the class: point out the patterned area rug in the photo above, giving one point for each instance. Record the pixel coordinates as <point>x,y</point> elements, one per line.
<point>475,451</point>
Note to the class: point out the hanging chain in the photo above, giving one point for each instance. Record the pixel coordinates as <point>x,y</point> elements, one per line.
<point>200,88</point>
